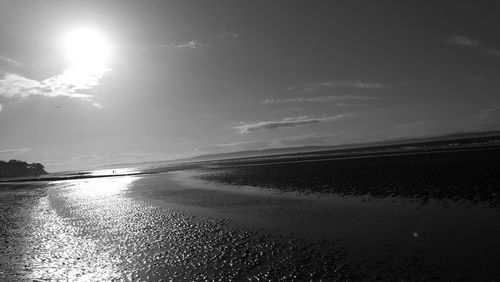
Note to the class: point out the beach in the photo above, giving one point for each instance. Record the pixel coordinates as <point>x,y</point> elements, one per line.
<point>374,216</point>
<point>180,225</point>
<point>71,231</point>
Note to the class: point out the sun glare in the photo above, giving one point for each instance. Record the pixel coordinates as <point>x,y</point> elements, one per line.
<point>87,50</point>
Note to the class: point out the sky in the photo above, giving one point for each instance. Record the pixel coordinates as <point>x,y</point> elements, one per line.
<point>87,83</point>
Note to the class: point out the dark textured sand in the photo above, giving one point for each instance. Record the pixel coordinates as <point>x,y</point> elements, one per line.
<point>461,176</point>
<point>174,226</point>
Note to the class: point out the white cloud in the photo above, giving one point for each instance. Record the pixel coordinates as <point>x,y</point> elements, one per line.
<point>13,85</point>
<point>286,122</point>
<point>190,45</point>
<point>16,86</point>
<point>318,99</point>
<point>72,83</point>
<point>13,151</point>
<point>1,107</point>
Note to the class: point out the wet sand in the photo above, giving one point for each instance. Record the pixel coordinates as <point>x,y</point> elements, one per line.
<point>105,229</point>
<point>175,226</point>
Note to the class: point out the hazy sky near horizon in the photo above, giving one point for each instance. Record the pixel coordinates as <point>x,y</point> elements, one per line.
<point>179,78</point>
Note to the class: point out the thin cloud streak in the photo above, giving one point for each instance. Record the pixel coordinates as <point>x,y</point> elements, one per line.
<point>193,44</point>
<point>13,151</point>
<point>317,86</point>
<point>463,41</point>
<point>472,43</point>
<point>215,39</point>
<point>286,122</point>
<point>318,99</point>
<point>97,105</point>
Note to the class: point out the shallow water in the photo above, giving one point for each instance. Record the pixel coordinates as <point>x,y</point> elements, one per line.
<point>173,227</point>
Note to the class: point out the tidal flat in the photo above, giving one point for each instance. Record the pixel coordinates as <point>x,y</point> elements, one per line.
<point>80,230</point>
<point>297,221</point>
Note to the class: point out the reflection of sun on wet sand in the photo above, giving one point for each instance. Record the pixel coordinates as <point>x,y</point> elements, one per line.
<point>412,217</point>
<point>110,235</point>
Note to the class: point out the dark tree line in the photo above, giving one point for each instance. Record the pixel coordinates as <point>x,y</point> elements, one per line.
<point>20,168</point>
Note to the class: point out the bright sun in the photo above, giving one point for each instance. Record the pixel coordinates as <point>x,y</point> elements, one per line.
<point>87,50</point>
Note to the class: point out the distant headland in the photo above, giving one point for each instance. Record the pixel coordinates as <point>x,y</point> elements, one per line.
<point>16,168</point>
